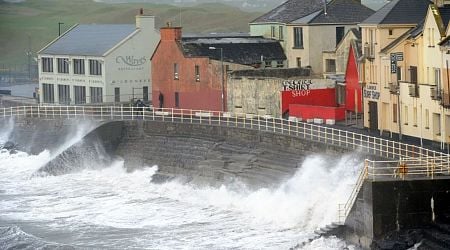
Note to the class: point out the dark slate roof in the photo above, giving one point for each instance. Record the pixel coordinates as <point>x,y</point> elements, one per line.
<point>240,50</point>
<point>356,32</point>
<point>343,11</point>
<point>90,39</point>
<point>290,10</point>
<point>445,14</point>
<point>400,12</point>
<point>445,42</point>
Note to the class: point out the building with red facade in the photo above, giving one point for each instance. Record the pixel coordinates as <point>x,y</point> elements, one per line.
<point>191,72</point>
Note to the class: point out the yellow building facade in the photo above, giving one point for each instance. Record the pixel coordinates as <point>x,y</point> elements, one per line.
<point>405,75</point>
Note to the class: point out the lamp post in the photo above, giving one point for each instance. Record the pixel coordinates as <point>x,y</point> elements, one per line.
<point>221,75</point>
<point>59,28</point>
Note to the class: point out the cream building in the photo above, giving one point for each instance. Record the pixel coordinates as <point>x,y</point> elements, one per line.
<point>99,63</point>
<point>306,28</point>
<point>404,78</point>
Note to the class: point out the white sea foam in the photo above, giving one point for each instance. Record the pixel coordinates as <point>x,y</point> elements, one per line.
<point>200,218</point>
<point>173,215</point>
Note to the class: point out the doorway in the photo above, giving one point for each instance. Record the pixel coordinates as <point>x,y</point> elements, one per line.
<point>373,116</point>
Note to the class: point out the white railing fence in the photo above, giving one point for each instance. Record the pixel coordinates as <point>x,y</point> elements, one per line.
<point>373,145</point>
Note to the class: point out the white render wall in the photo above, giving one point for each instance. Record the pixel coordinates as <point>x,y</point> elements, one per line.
<point>126,66</point>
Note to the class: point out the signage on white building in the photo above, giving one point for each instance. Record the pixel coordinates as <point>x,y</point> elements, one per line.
<point>131,62</point>
<point>303,84</point>
<point>371,92</point>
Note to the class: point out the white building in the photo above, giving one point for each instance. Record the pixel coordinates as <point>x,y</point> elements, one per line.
<point>97,63</point>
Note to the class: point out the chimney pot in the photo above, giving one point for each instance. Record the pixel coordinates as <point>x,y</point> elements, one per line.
<point>141,11</point>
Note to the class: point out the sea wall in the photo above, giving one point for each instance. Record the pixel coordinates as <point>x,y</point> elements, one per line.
<point>398,205</point>
<point>215,154</point>
<point>194,152</point>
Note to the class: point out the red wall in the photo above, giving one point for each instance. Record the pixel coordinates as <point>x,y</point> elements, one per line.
<point>311,112</point>
<point>352,84</point>
<point>317,97</point>
<point>205,94</point>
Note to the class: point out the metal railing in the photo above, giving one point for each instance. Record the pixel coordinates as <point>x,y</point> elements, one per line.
<point>372,145</point>
<point>420,162</point>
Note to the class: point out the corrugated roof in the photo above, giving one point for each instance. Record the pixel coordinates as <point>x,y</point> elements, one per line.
<point>290,11</point>
<point>90,39</point>
<point>240,50</point>
<point>343,11</point>
<point>400,12</point>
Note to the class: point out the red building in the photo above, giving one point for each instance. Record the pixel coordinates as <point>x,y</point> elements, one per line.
<point>191,72</point>
<point>353,94</point>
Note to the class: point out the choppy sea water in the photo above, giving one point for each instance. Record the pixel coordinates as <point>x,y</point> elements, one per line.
<point>110,208</point>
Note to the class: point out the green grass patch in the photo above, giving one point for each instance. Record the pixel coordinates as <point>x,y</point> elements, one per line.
<point>34,23</point>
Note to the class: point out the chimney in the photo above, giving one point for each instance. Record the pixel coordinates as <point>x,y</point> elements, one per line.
<point>170,33</point>
<point>144,22</point>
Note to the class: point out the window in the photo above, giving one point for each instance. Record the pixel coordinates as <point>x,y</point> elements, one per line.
<point>391,32</point>
<point>299,62</point>
<point>437,78</point>
<point>64,94</point>
<point>298,37</point>
<point>413,74</point>
<point>330,65</point>
<point>175,71</point>
<point>80,94</point>
<point>280,64</point>
<point>272,31</point>
<point>177,100</point>
<point>96,95</point>
<point>280,33</point>
<point>394,113</point>
<point>437,124</point>
<point>268,64</point>
<point>117,94</point>
<point>78,66</point>
<point>63,65</point>
<point>340,32</point>
<point>145,93</point>
<point>95,67</point>
<point>48,93</point>
<point>197,73</point>
<point>415,117</point>
<point>399,74</point>
<point>405,114</point>
<point>47,64</point>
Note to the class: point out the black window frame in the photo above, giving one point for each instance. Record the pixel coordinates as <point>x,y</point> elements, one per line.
<point>95,67</point>
<point>78,66</point>
<point>47,64</point>
<point>298,38</point>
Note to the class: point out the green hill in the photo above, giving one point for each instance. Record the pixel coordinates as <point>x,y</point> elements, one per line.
<point>34,23</point>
